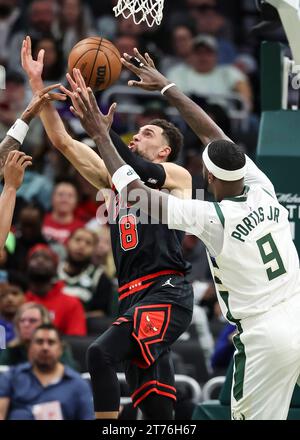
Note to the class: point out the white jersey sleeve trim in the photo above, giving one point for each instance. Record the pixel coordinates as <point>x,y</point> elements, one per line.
<point>254,176</point>
<point>198,218</point>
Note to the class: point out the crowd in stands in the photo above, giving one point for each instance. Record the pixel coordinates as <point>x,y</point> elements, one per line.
<point>57,267</point>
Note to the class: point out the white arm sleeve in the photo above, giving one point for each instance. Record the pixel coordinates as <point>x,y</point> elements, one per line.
<point>198,218</point>
<point>254,176</point>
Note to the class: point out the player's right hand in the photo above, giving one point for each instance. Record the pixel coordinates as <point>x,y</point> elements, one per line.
<point>14,168</point>
<point>150,78</point>
<point>33,68</point>
<point>39,100</point>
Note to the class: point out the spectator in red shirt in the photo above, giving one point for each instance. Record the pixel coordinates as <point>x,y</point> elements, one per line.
<point>61,221</point>
<point>66,311</point>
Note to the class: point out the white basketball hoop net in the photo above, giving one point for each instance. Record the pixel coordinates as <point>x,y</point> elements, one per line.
<point>150,11</point>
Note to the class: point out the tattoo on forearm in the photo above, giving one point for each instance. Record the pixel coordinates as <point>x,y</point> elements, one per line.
<point>8,144</point>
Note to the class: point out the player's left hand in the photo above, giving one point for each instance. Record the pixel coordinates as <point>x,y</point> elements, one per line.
<point>150,78</point>
<point>39,100</point>
<point>94,122</point>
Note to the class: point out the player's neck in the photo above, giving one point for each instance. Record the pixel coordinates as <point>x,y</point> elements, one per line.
<point>229,190</point>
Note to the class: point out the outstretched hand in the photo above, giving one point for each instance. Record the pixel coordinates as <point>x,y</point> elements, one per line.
<point>75,84</point>
<point>150,78</point>
<point>93,121</point>
<point>39,100</point>
<point>33,68</point>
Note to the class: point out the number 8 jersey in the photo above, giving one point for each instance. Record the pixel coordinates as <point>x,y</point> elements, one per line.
<point>142,247</point>
<point>251,253</point>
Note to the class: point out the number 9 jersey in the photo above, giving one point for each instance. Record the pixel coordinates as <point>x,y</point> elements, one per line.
<point>251,253</point>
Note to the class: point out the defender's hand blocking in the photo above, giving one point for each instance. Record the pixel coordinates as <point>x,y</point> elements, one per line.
<point>150,78</point>
<point>39,100</point>
<point>94,122</point>
<point>14,168</point>
<point>79,83</point>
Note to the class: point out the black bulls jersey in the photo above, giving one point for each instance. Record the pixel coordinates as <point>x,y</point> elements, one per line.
<point>140,249</point>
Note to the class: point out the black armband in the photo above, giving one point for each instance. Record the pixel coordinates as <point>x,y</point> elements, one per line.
<point>153,174</point>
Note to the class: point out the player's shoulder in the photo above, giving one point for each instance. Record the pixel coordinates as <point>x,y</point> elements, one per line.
<point>177,178</point>
<point>174,170</point>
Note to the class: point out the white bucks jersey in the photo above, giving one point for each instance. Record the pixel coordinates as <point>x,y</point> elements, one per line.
<point>251,253</point>
<point>258,265</point>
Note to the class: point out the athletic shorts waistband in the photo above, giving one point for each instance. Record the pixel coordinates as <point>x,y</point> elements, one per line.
<point>143,282</point>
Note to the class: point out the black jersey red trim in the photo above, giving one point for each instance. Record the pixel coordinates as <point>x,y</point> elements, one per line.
<point>153,386</point>
<point>141,283</point>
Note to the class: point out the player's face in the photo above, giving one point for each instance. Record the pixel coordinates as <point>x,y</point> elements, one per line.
<point>150,143</point>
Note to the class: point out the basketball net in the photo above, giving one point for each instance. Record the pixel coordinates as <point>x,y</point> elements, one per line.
<point>150,11</point>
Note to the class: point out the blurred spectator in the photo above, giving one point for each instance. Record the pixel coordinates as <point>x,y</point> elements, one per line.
<point>44,388</point>
<point>12,296</point>
<point>103,253</point>
<point>209,20</point>
<point>12,101</point>
<point>83,279</point>
<point>54,68</point>
<point>182,46</point>
<point>67,312</point>
<point>74,24</point>
<point>10,22</point>
<point>202,75</point>
<point>41,15</point>
<point>61,221</point>
<point>125,44</point>
<point>87,204</point>
<point>27,319</point>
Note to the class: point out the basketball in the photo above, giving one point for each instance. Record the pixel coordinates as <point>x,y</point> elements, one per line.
<point>98,60</point>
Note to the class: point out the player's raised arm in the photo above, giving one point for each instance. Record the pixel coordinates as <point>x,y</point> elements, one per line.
<point>151,79</point>
<point>82,157</point>
<point>14,169</point>
<point>160,175</point>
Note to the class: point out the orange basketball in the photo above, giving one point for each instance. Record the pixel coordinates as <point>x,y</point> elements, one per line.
<point>98,60</point>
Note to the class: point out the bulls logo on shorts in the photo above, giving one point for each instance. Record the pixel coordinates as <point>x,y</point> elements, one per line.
<point>149,327</point>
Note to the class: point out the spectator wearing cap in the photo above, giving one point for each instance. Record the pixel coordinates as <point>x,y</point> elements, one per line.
<point>61,221</point>
<point>44,388</point>
<point>66,312</point>
<point>12,296</point>
<point>203,76</point>
<point>208,19</point>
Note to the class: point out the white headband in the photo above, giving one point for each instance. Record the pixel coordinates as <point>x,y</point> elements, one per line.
<point>220,173</point>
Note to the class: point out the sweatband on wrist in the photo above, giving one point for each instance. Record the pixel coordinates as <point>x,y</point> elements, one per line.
<point>18,131</point>
<point>123,177</point>
<point>163,91</point>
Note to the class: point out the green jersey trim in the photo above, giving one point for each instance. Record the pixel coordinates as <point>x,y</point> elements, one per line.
<point>220,213</point>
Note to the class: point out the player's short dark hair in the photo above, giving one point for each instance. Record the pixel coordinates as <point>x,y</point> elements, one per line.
<point>227,155</point>
<point>173,136</point>
<point>49,326</point>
